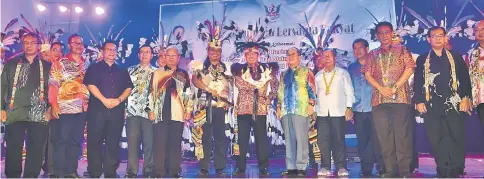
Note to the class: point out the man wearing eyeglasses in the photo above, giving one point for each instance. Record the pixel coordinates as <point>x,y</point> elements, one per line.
<point>55,53</point>
<point>68,98</point>
<point>109,86</point>
<point>443,95</point>
<point>475,58</point>
<point>137,123</point>
<point>388,69</point>
<point>24,94</point>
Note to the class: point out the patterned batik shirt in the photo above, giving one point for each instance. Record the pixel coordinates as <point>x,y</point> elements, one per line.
<point>28,104</point>
<point>386,67</point>
<point>66,87</point>
<point>138,100</point>
<point>175,84</point>
<point>475,58</point>
<point>247,81</point>
<point>296,88</point>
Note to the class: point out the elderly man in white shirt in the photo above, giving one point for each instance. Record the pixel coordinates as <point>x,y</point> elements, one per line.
<point>335,97</point>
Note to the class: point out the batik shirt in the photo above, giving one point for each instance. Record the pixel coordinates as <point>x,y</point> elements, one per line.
<point>27,105</point>
<point>174,86</point>
<point>390,65</point>
<point>475,58</point>
<point>138,99</point>
<point>296,87</point>
<point>443,98</point>
<point>66,87</point>
<point>247,80</point>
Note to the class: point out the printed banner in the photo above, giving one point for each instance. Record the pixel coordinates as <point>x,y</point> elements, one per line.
<point>282,19</point>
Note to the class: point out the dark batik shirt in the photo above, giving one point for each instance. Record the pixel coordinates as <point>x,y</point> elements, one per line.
<point>442,97</point>
<point>111,81</point>
<point>138,100</point>
<point>27,103</point>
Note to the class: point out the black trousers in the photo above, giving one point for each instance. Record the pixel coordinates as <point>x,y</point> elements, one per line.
<point>217,130</point>
<point>107,128</point>
<point>48,166</point>
<point>245,123</point>
<point>331,139</point>
<point>394,130</point>
<point>414,163</point>
<point>69,130</point>
<point>446,133</point>
<point>480,112</point>
<point>36,140</point>
<point>167,147</point>
<point>368,145</point>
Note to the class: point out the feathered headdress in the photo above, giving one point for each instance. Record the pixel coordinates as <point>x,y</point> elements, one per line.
<point>323,40</point>
<point>157,43</point>
<point>44,33</point>
<point>161,43</point>
<point>93,52</point>
<point>319,42</point>
<point>253,38</point>
<point>8,37</point>
<point>214,33</point>
<point>422,25</point>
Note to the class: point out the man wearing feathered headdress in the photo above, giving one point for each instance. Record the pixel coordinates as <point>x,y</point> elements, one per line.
<point>256,87</point>
<point>212,79</point>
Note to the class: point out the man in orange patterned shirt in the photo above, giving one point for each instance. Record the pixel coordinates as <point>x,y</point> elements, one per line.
<point>68,98</point>
<point>388,69</point>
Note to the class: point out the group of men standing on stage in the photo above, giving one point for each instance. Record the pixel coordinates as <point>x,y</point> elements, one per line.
<point>53,100</point>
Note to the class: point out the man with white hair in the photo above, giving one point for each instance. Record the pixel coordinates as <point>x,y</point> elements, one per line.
<point>169,105</point>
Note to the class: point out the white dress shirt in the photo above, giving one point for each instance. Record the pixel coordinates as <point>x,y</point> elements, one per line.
<point>341,93</point>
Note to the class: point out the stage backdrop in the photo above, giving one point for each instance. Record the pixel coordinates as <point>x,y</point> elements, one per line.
<point>283,17</point>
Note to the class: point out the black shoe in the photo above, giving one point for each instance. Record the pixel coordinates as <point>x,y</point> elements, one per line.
<point>86,174</point>
<point>158,176</point>
<point>288,172</point>
<point>74,175</point>
<point>220,173</point>
<point>366,175</point>
<point>301,173</point>
<point>110,176</point>
<point>387,175</point>
<point>203,173</point>
<point>263,172</point>
<point>131,176</point>
<point>176,176</point>
<point>239,172</point>
<point>406,175</point>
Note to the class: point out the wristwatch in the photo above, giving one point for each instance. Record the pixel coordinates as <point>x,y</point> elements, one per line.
<point>350,108</point>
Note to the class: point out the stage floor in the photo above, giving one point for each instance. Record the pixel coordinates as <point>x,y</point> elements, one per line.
<point>474,168</point>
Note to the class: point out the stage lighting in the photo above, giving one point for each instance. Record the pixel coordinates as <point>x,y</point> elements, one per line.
<point>62,8</point>
<point>41,7</point>
<point>78,9</point>
<point>99,10</point>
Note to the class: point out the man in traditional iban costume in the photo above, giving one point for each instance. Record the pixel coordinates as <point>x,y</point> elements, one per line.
<point>255,88</point>
<point>212,81</point>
